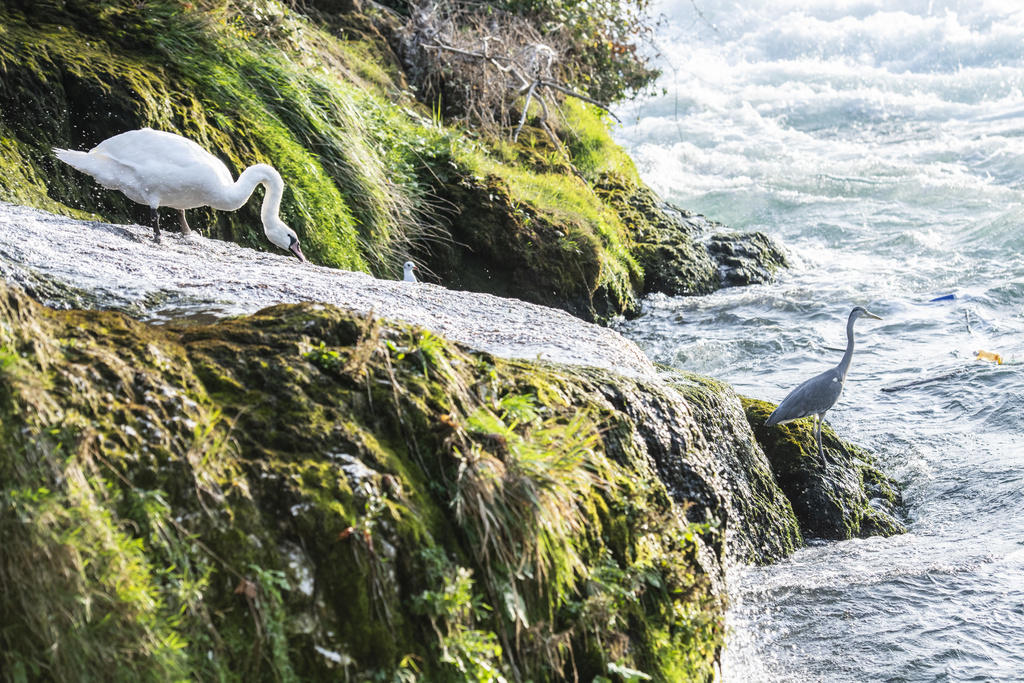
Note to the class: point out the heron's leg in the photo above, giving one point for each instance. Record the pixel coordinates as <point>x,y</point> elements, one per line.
<point>155,216</point>
<point>185,230</point>
<point>818,419</point>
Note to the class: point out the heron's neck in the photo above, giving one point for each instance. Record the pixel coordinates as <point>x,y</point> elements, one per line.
<point>240,191</point>
<point>844,364</point>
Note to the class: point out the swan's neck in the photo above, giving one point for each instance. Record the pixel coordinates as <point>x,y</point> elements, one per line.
<point>239,193</point>
<point>844,364</point>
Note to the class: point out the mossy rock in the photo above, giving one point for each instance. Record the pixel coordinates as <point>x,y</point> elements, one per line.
<point>505,246</point>
<point>308,494</point>
<point>674,262</point>
<point>852,498</point>
<point>764,527</point>
<point>746,258</point>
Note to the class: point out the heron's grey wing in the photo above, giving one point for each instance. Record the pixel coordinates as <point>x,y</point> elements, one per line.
<point>813,397</point>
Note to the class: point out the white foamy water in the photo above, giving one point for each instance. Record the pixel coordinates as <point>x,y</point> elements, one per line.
<point>883,144</point>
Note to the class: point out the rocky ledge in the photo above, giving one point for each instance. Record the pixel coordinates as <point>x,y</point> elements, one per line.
<point>65,263</point>
<point>311,490</point>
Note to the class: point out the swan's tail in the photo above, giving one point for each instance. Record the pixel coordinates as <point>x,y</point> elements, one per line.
<point>80,160</point>
<point>106,171</point>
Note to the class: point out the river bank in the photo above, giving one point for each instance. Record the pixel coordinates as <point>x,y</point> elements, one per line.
<point>312,472</point>
<point>373,176</point>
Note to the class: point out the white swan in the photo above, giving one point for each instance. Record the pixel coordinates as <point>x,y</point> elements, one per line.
<point>409,275</point>
<point>157,168</point>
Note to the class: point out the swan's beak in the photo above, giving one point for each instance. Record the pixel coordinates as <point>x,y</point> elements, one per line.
<point>297,250</point>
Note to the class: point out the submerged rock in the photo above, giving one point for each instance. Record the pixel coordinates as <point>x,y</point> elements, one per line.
<point>851,499</point>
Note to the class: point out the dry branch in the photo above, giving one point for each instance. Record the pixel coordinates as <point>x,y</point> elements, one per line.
<point>529,86</point>
<point>478,65</point>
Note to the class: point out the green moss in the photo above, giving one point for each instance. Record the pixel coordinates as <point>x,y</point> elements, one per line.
<point>539,235</point>
<point>220,501</point>
<point>588,225</point>
<point>594,153</point>
<point>665,246</point>
<point>571,227</point>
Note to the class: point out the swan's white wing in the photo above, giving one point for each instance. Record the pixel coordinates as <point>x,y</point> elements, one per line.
<point>162,167</point>
<point>157,150</point>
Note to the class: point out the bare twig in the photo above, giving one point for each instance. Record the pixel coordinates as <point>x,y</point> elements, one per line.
<point>701,15</point>
<point>480,63</point>
<point>526,108</point>
<point>528,86</point>
<point>493,60</point>
<point>547,129</point>
<point>449,48</point>
<point>579,96</point>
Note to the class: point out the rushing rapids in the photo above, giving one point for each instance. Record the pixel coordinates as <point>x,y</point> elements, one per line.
<point>880,142</point>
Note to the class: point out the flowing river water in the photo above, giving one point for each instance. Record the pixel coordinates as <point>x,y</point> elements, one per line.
<point>882,143</point>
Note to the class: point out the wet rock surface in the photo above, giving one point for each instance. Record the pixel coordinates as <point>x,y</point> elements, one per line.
<point>762,526</point>
<point>339,466</point>
<point>306,480</point>
<point>668,247</point>
<point>69,263</point>
<point>684,253</point>
<point>66,262</point>
<point>746,258</point>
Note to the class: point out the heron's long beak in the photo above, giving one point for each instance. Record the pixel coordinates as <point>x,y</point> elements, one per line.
<point>868,314</point>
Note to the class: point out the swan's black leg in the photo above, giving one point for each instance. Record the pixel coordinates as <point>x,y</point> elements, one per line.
<point>185,230</point>
<point>155,216</point>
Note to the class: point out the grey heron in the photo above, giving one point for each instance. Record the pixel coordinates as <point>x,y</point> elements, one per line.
<point>817,395</point>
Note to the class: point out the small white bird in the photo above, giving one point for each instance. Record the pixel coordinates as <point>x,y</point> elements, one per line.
<point>409,275</point>
<point>156,168</point>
